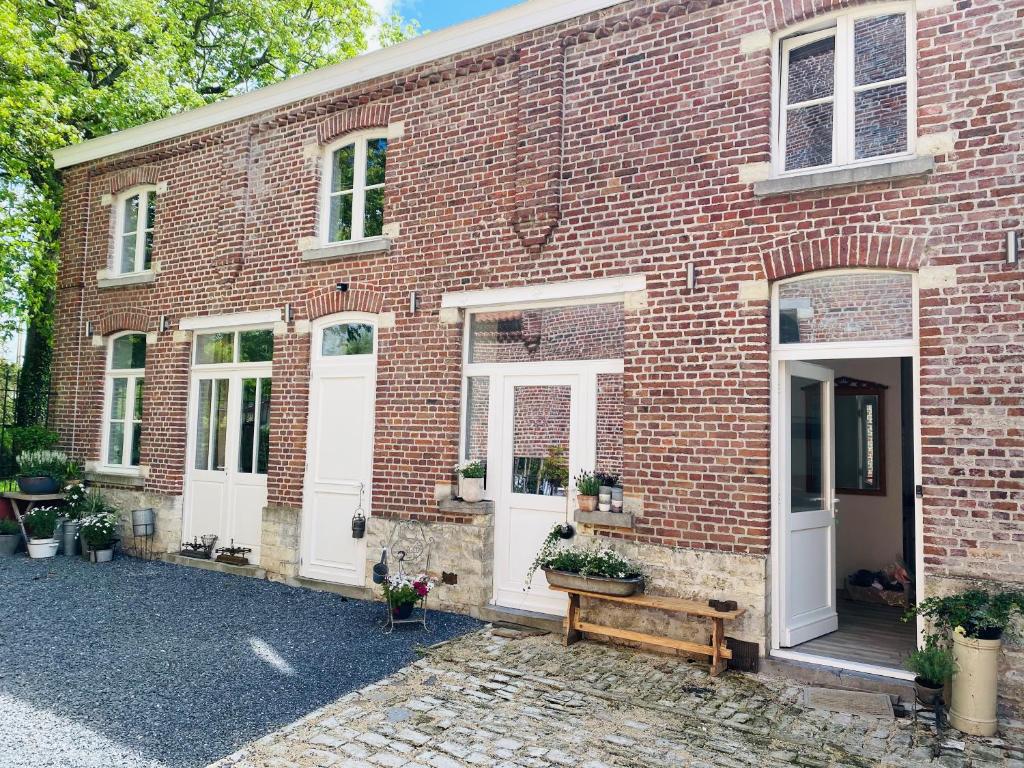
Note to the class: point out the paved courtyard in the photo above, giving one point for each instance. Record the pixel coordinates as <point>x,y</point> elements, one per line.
<point>486,700</point>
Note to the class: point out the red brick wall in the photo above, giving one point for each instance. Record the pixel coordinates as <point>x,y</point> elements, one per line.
<point>655,108</point>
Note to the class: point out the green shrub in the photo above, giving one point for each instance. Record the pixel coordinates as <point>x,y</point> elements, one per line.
<point>33,438</point>
<point>9,527</point>
<point>934,665</point>
<point>974,613</point>
<point>41,522</point>
<point>471,469</point>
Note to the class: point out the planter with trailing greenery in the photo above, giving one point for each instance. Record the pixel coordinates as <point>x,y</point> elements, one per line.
<point>471,480</point>
<point>41,471</point>
<point>591,569</point>
<point>587,487</point>
<point>974,622</point>
<point>404,593</point>
<point>933,666</point>
<point>99,532</point>
<point>10,535</point>
<point>40,524</point>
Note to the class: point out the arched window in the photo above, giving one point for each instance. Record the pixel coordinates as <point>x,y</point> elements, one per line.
<point>135,217</point>
<point>126,369</point>
<point>352,206</point>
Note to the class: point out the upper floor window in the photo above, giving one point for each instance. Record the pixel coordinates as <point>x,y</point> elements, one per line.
<point>126,370</point>
<point>847,90</point>
<point>136,212</point>
<point>353,204</point>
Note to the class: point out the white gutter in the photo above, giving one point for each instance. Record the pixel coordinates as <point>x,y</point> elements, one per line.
<point>507,23</point>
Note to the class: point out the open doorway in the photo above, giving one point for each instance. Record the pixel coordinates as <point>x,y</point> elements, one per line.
<point>874,563</point>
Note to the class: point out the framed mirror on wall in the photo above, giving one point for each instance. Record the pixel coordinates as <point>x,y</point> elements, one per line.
<point>860,436</point>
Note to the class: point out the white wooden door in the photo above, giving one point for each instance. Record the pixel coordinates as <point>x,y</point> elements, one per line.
<point>227,457</point>
<point>538,419</point>
<point>339,455</point>
<point>808,503</point>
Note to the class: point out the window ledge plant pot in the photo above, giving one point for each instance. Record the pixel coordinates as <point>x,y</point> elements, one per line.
<point>39,549</point>
<point>38,485</point>
<point>599,585</point>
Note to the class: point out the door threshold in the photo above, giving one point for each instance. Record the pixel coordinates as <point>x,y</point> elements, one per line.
<point>499,613</point>
<point>851,666</point>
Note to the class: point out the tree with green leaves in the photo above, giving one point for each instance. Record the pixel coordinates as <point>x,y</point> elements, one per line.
<point>72,70</point>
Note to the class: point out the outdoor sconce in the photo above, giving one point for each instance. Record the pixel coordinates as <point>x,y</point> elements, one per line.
<point>164,324</point>
<point>1012,247</point>
<point>88,328</point>
<point>287,313</point>
<point>691,276</point>
<point>342,287</point>
<point>413,302</point>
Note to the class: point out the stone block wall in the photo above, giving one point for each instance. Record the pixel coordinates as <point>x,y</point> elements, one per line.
<point>167,533</point>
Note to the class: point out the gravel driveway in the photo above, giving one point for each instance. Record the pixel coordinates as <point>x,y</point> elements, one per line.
<point>137,663</point>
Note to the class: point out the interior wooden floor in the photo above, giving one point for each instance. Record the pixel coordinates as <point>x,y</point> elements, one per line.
<point>869,634</point>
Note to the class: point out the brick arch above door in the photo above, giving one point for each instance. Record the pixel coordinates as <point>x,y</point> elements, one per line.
<point>331,301</point>
<point>124,320</point>
<point>880,251</point>
<point>367,116</point>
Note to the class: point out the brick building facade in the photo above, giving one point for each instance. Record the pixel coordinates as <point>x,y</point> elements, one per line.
<point>633,149</point>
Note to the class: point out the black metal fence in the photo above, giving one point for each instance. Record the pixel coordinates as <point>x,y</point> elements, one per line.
<point>32,411</point>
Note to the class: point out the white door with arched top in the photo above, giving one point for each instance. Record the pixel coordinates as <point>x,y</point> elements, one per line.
<point>339,448</point>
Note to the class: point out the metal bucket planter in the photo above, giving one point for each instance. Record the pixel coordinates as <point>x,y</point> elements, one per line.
<point>599,585</point>
<point>70,537</point>
<point>38,485</point>
<point>9,544</point>
<point>102,555</point>
<point>975,685</point>
<point>143,521</point>
<point>39,549</point>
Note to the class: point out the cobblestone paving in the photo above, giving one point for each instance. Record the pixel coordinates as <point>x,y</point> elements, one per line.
<point>484,700</point>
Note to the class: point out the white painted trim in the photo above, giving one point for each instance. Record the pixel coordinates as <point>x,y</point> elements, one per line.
<point>143,191</point>
<point>604,287</point>
<point>233,320</point>
<point>853,666</point>
<point>133,376</point>
<point>359,140</point>
<point>507,23</point>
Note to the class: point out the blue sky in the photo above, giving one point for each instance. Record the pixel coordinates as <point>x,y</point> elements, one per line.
<point>438,14</point>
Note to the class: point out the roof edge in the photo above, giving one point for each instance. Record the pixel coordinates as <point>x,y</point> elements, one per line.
<point>500,25</point>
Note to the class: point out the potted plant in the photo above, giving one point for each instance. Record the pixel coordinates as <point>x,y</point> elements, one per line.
<point>76,506</point>
<point>40,524</point>
<point>471,480</point>
<point>403,593</point>
<point>587,486</point>
<point>554,471</point>
<point>41,471</point>
<point>933,666</point>
<point>10,535</point>
<point>99,532</point>
<point>975,621</point>
<point>595,569</point>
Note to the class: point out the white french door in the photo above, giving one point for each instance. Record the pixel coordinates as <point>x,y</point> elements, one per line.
<point>807,503</point>
<point>229,418</point>
<point>339,455</point>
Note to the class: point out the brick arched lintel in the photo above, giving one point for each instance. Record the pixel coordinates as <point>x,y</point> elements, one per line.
<point>133,177</point>
<point>368,116</point>
<point>785,13</point>
<point>880,251</point>
<point>331,301</point>
<point>124,320</point>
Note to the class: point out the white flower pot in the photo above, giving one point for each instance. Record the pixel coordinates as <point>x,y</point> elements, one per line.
<point>102,555</point>
<point>472,488</point>
<point>42,548</point>
<point>975,685</point>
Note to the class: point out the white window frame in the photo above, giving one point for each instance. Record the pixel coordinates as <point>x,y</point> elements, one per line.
<point>841,26</point>
<point>134,376</point>
<point>359,187</point>
<point>236,348</point>
<point>143,191</point>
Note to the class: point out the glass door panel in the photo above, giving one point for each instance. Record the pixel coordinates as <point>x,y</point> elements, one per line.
<point>254,431</point>
<point>212,424</point>
<point>540,440</point>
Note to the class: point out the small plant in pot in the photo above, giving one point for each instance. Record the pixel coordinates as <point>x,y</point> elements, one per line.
<point>10,535</point>
<point>587,486</point>
<point>404,593</point>
<point>41,471</point>
<point>40,524</point>
<point>933,666</point>
<point>975,622</point>
<point>471,480</point>
<point>99,532</point>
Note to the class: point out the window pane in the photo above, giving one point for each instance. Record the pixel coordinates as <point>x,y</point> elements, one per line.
<point>263,451</point>
<point>880,48</point>
<point>376,155</point>
<point>127,253</point>
<point>342,166</point>
<point>203,424</point>
<point>812,71</point>
<point>478,396</point>
<point>373,217</point>
<point>540,440</point>
<point>809,136</point>
<point>256,346</point>
<point>137,407</point>
<point>609,424</point>
<point>881,121</point>
<point>347,339</point>
<point>118,398</point>
<point>136,440</point>
<point>584,332</point>
<point>220,432</point>
<point>215,348</point>
<point>854,306</point>
<point>859,453</point>
<point>806,454</point>
<point>115,444</point>
<point>248,427</point>
<point>150,210</point>
<point>340,222</point>
<point>129,352</point>
<point>131,214</point>
<point>147,254</point>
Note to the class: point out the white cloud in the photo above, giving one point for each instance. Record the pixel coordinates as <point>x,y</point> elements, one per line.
<point>382,8</point>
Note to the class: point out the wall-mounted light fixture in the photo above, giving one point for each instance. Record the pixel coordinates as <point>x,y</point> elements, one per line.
<point>287,313</point>
<point>164,324</point>
<point>88,328</point>
<point>1013,247</point>
<point>413,302</point>
<point>343,287</point>
<point>691,276</point>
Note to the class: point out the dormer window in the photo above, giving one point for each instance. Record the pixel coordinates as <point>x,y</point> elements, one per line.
<point>353,198</point>
<point>846,92</point>
<point>133,250</point>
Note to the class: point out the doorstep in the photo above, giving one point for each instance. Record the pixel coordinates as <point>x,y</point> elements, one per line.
<point>251,571</point>
<point>834,677</point>
<point>499,614</point>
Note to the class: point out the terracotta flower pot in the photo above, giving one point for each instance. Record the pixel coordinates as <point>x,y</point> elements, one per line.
<point>975,685</point>
<point>586,503</point>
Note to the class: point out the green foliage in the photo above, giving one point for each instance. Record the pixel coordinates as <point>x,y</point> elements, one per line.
<point>9,527</point>
<point>41,522</point>
<point>471,469</point>
<point>974,613</point>
<point>587,484</point>
<point>555,467</point>
<point>77,501</point>
<point>593,561</point>
<point>932,664</point>
<point>34,438</point>
<point>43,464</point>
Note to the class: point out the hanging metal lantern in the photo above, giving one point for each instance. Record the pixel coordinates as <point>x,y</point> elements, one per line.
<point>359,519</point>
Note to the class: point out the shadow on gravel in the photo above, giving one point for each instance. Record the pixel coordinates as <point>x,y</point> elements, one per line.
<point>180,665</point>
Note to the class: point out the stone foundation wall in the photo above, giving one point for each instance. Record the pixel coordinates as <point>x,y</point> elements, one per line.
<point>167,533</point>
<point>279,542</point>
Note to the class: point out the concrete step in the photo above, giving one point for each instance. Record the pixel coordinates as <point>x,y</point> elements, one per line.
<point>831,677</point>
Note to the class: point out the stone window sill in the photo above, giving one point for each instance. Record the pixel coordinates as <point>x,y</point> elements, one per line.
<point>786,185</point>
<point>370,245</point>
<point>114,477</point>
<point>605,519</point>
<point>452,506</point>
<point>142,278</point>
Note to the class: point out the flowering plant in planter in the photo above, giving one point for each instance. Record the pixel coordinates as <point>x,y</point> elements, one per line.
<point>41,471</point>
<point>595,563</point>
<point>471,480</point>
<point>403,592</point>
<point>76,501</point>
<point>470,468</point>
<point>41,522</point>
<point>99,530</point>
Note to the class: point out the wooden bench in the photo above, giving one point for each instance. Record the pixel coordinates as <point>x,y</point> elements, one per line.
<point>575,626</point>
